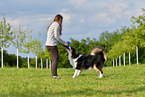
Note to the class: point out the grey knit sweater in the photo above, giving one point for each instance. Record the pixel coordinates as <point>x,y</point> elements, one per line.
<point>53,35</point>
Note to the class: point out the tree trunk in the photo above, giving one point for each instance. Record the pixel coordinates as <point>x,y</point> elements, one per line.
<point>17,59</point>
<point>113,62</point>
<point>41,64</point>
<point>124,58</point>
<point>46,63</point>
<point>49,64</point>
<point>36,61</point>
<point>28,61</point>
<point>129,58</point>
<point>119,60</point>
<point>2,57</point>
<point>116,61</point>
<point>137,54</point>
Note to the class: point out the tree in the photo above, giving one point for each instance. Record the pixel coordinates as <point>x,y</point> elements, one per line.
<point>48,57</point>
<point>133,38</point>
<point>109,39</point>
<point>27,44</point>
<point>36,47</point>
<point>6,36</point>
<point>18,41</point>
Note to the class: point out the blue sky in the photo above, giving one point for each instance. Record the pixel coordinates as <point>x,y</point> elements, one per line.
<point>82,18</point>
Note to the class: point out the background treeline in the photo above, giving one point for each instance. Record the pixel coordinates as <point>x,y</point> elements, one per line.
<point>123,40</point>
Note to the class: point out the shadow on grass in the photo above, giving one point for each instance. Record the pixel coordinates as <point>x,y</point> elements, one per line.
<point>82,92</point>
<point>91,92</point>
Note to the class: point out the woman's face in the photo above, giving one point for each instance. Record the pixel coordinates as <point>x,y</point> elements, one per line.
<point>60,21</point>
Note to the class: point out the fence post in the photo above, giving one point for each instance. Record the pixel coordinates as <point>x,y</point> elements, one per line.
<point>2,62</point>
<point>49,64</point>
<point>41,64</point>
<point>28,61</point>
<point>137,54</point>
<point>113,62</point>
<point>17,59</point>
<point>119,60</point>
<point>36,62</point>
<point>124,58</point>
<point>46,63</point>
<point>116,61</point>
<point>129,58</point>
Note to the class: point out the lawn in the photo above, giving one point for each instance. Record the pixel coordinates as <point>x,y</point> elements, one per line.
<point>124,81</point>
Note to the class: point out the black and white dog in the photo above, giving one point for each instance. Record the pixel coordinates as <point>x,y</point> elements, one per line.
<point>82,62</point>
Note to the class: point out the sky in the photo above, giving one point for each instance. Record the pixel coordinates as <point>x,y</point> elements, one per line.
<point>81,18</point>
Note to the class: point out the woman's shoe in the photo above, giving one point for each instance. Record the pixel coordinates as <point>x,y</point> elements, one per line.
<point>55,77</point>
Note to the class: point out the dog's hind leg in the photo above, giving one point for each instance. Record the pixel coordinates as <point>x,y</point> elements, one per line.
<point>77,72</point>
<point>100,72</point>
<point>100,76</point>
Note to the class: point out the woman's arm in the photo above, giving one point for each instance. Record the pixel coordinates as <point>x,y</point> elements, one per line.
<point>57,34</point>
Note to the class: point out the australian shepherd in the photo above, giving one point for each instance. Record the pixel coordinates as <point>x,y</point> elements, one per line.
<point>96,59</point>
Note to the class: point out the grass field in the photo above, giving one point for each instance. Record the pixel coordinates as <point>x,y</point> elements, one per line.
<point>124,81</point>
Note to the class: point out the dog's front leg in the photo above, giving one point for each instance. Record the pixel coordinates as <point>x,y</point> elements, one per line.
<point>77,72</point>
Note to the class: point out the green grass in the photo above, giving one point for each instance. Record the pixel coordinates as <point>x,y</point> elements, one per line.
<point>124,81</point>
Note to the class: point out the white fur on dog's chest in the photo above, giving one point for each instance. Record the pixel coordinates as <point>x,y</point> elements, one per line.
<point>73,62</point>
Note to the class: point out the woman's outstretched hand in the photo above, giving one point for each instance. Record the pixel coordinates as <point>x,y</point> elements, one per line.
<point>66,44</point>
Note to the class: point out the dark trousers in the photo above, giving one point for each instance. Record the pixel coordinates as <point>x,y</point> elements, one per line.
<point>53,50</point>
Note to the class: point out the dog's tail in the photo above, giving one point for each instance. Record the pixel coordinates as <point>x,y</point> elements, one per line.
<point>98,49</point>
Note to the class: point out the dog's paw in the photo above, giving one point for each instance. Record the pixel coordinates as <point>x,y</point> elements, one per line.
<point>100,76</point>
<point>74,77</point>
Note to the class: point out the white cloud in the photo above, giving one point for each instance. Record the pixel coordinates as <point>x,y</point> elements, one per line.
<point>103,18</point>
<point>118,8</point>
<point>78,3</point>
<point>82,20</point>
<point>33,20</point>
<point>66,17</point>
<point>65,10</point>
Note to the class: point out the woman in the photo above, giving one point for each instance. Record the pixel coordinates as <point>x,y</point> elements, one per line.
<point>54,31</point>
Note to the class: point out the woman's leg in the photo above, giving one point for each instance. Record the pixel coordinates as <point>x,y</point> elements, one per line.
<point>55,59</point>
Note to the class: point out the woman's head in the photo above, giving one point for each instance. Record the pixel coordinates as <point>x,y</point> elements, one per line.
<point>58,18</point>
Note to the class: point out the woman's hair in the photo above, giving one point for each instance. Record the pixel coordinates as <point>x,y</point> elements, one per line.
<point>57,18</point>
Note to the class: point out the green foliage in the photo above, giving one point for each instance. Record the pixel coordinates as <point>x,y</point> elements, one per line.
<point>125,81</point>
<point>20,37</point>
<point>10,60</point>
<point>6,35</point>
<point>47,54</point>
<point>85,45</point>
<point>140,20</point>
<point>133,38</point>
<point>28,44</point>
<point>36,46</point>
<point>110,39</point>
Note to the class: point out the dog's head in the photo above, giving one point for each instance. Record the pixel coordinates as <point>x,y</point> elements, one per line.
<point>74,53</point>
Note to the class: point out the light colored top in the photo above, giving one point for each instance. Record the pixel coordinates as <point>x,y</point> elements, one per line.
<point>53,35</point>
